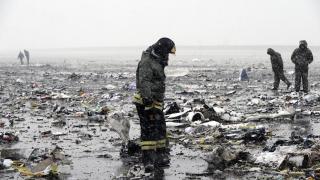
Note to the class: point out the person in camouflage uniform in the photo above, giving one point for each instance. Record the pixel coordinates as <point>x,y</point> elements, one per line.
<point>277,67</point>
<point>150,83</point>
<point>302,57</point>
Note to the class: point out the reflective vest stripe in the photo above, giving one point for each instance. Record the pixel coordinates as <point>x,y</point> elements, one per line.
<point>151,145</point>
<point>156,104</point>
<point>148,143</point>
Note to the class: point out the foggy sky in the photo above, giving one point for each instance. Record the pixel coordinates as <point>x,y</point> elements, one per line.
<point>95,23</point>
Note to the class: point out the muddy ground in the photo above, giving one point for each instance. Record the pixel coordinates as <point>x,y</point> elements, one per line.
<point>23,91</point>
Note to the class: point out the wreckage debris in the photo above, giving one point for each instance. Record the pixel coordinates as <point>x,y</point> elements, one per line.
<point>108,156</point>
<point>171,108</point>
<point>74,76</point>
<point>7,138</point>
<point>243,75</point>
<point>88,108</point>
<point>223,157</point>
<point>120,124</point>
<point>37,163</point>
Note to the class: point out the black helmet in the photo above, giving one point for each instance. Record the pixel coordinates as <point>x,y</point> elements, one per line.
<point>164,46</point>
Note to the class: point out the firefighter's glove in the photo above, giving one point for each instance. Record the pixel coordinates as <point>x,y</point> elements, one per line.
<point>147,102</point>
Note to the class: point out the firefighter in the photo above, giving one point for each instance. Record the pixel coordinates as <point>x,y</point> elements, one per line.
<point>150,83</point>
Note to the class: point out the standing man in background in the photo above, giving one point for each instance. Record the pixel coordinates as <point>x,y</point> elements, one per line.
<point>150,82</point>
<point>302,57</point>
<point>21,57</point>
<point>27,55</point>
<point>277,67</point>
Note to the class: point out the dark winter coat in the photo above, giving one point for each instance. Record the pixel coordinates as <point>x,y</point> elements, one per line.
<point>302,58</point>
<point>150,77</point>
<point>277,63</point>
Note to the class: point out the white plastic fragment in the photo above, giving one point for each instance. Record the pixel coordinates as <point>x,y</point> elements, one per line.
<point>7,162</point>
<point>218,110</point>
<point>213,124</point>
<point>178,115</point>
<point>175,124</point>
<point>189,130</point>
